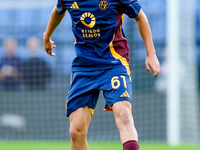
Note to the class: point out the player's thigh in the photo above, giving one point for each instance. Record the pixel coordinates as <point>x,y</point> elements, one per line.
<point>80,119</point>
<point>123,114</point>
<point>122,107</point>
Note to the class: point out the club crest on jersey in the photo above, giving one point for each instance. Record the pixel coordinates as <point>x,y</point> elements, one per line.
<point>103,5</point>
<point>88,19</point>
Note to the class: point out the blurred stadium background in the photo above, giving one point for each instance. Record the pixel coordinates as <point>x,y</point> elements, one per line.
<point>35,109</point>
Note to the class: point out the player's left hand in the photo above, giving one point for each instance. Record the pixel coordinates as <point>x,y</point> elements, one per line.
<point>152,63</point>
<point>48,46</point>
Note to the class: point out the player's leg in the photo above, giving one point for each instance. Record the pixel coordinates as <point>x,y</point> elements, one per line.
<point>124,121</point>
<point>125,124</point>
<point>118,95</point>
<point>79,123</point>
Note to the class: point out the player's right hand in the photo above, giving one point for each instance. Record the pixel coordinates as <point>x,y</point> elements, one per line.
<point>48,46</point>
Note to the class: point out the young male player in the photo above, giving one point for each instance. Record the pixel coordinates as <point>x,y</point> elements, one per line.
<point>102,63</point>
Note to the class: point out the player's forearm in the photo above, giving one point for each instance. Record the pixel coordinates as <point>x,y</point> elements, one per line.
<point>54,21</point>
<point>145,32</point>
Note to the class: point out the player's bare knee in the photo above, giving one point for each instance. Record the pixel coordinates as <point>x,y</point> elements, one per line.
<point>76,133</point>
<point>124,119</point>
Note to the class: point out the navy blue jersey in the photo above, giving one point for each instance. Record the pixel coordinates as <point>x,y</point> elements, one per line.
<point>100,42</point>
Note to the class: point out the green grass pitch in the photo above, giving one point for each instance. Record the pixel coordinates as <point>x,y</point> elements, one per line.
<point>53,145</point>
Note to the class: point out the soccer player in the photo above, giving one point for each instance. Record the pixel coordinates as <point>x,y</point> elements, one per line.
<point>101,63</point>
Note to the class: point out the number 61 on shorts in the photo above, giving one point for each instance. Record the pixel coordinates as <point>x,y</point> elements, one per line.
<point>115,82</point>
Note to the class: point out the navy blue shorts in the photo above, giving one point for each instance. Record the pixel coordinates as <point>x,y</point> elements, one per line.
<point>85,87</point>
